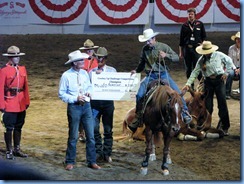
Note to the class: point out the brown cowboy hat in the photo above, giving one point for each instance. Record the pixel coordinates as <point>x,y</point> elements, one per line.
<point>102,51</point>
<point>237,35</point>
<point>206,48</point>
<point>13,51</point>
<point>88,44</point>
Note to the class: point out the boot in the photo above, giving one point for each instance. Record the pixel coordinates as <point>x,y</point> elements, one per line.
<point>139,112</point>
<point>8,142</point>
<point>17,152</point>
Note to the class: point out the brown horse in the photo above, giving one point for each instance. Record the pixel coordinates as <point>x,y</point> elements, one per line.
<point>202,119</point>
<point>162,114</point>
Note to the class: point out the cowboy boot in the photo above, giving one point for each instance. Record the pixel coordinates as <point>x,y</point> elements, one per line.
<point>17,138</point>
<point>8,142</point>
<point>139,107</point>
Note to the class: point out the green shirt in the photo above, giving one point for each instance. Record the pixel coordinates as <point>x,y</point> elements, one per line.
<point>149,58</point>
<point>218,64</point>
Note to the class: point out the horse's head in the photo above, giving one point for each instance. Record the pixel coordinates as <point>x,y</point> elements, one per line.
<point>175,107</point>
<point>197,108</point>
<point>171,104</point>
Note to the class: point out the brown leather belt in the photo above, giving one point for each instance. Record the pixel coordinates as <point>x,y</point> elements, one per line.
<point>15,89</point>
<point>214,77</point>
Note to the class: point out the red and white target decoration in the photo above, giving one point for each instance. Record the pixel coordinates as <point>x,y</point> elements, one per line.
<point>175,11</point>
<point>119,12</point>
<point>58,11</point>
<point>230,8</point>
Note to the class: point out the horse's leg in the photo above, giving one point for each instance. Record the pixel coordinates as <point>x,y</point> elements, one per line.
<point>214,133</point>
<point>148,150</point>
<point>190,134</point>
<point>167,139</point>
<point>153,155</point>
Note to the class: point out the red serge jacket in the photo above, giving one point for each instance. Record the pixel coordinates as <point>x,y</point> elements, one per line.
<point>14,90</point>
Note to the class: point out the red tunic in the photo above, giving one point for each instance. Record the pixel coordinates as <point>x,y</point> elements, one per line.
<point>90,64</point>
<point>14,78</point>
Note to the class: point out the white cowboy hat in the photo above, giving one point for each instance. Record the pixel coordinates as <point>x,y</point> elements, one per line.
<point>102,51</point>
<point>206,48</point>
<point>237,35</point>
<point>13,51</point>
<point>147,34</point>
<point>88,44</point>
<point>76,56</point>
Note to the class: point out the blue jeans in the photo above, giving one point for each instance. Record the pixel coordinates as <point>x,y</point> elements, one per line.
<point>232,76</point>
<point>103,110</point>
<point>80,114</point>
<point>165,76</point>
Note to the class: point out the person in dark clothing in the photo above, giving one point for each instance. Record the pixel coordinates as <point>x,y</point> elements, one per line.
<point>192,34</point>
<point>103,109</point>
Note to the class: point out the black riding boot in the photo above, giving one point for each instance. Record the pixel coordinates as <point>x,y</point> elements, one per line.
<point>134,125</point>
<point>8,142</point>
<point>17,138</point>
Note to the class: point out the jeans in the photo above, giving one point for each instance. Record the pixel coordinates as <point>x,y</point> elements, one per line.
<point>164,75</point>
<point>217,86</point>
<point>232,76</point>
<point>80,114</point>
<point>103,109</point>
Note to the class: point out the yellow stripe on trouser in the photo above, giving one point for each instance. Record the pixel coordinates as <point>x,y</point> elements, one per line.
<point>5,130</point>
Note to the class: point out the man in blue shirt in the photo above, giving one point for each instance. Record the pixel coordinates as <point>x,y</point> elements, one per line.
<point>75,89</point>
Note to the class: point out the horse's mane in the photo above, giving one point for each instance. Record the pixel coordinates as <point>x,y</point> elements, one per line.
<point>161,97</point>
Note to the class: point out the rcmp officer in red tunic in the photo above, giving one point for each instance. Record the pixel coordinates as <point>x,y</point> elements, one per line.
<point>14,100</point>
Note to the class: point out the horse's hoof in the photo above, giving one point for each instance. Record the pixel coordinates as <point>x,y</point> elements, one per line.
<point>152,157</point>
<point>165,172</point>
<point>144,171</point>
<point>168,160</point>
<point>181,137</point>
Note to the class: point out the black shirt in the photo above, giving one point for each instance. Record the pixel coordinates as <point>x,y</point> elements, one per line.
<point>195,30</point>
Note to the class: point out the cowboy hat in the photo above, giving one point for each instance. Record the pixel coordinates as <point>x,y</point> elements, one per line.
<point>13,51</point>
<point>76,56</point>
<point>206,48</point>
<point>88,44</point>
<point>147,34</point>
<point>102,51</point>
<point>237,35</point>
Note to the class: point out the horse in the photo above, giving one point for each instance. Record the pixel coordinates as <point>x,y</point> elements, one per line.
<point>201,118</point>
<point>162,114</point>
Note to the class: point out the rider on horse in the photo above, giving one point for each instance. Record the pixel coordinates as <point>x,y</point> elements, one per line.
<point>152,61</point>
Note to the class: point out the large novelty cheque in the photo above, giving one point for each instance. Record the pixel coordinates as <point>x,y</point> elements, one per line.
<point>115,86</point>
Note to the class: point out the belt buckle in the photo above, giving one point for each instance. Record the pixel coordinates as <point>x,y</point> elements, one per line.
<point>190,46</point>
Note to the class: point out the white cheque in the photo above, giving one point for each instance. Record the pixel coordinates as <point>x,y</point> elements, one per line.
<point>115,86</point>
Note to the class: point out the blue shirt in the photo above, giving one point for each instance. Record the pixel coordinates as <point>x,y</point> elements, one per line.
<point>73,83</point>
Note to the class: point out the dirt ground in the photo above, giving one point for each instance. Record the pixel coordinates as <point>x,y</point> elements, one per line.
<point>45,131</point>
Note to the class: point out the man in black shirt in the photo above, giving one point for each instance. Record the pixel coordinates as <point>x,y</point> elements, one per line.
<point>192,34</point>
